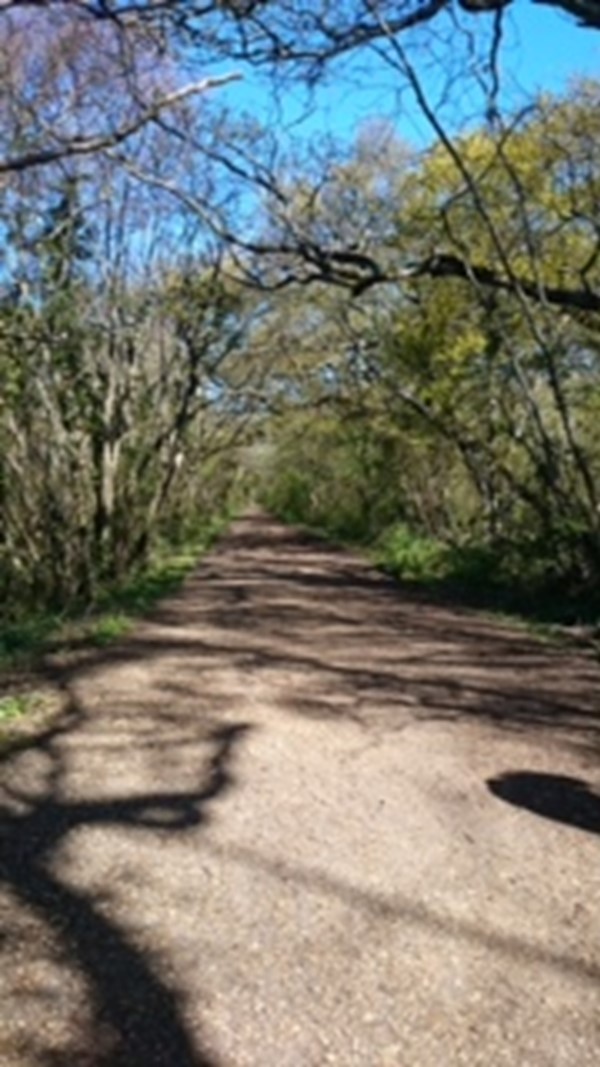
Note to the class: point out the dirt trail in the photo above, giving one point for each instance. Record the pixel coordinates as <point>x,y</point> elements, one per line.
<point>298,819</point>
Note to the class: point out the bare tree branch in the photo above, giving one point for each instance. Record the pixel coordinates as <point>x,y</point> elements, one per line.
<point>443,265</point>
<point>83,146</point>
<point>289,30</point>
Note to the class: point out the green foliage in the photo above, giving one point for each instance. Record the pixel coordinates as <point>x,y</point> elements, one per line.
<point>500,579</point>
<point>108,444</point>
<point>451,422</point>
<point>289,497</point>
<point>107,629</point>
<point>160,578</point>
<point>27,636</point>
<point>456,423</point>
<point>406,554</point>
<point>477,566</point>
<point>113,612</point>
<point>13,707</point>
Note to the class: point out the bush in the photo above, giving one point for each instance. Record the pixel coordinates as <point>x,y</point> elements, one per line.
<point>473,565</point>
<point>409,555</point>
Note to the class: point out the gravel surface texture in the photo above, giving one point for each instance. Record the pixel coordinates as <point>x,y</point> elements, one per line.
<point>301,817</point>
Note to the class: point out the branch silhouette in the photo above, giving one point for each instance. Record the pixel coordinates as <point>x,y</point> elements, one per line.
<point>137,1018</point>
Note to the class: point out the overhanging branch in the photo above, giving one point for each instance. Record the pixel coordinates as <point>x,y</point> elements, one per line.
<point>85,146</point>
<point>444,265</point>
<point>359,272</point>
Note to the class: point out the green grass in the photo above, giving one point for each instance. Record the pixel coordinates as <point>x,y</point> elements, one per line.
<point>27,635</point>
<point>410,556</point>
<point>162,577</point>
<point>14,707</point>
<point>478,577</point>
<point>509,586</point>
<point>112,615</point>
<point>108,628</point>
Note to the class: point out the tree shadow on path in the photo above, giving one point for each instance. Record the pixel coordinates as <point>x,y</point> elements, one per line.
<point>136,1016</point>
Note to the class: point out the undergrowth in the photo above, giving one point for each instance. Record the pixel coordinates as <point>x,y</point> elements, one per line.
<point>14,706</point>
<point>112,613</point>
<point>510,581</point>
<point>499,580</point>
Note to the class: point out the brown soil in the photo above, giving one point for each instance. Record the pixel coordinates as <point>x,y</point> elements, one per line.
<point>300,818</point>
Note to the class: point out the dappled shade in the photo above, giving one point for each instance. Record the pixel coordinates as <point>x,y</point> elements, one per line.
<point>258,827</point>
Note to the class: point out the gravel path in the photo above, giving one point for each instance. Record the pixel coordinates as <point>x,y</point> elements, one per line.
<point>298,819</point>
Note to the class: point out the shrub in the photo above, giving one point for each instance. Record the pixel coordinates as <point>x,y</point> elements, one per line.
<point>410,555</point>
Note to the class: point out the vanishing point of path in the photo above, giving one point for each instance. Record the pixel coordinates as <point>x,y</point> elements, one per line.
<point>299,818</point>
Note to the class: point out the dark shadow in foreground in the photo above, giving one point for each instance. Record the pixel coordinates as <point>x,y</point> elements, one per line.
<point>554,796</point>
<point>137,1014</point>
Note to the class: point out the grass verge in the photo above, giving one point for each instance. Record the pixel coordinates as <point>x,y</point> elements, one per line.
<point>505,586</point>
<point>26,641</point>
<point>14,706</point>
<point>24,644</point>
<point>476,577</point>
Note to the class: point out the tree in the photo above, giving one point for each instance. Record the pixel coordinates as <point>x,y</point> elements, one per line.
<point>78,79</point>
<point>480,396</point>
<point>458,317</point>
<point>129,49</point>
<point>117,359</point>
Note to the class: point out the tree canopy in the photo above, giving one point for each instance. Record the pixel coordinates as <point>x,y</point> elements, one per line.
<point>372,334</point>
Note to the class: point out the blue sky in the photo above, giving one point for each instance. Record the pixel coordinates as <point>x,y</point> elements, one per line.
<point>542,50</point>
<point>552,47</point>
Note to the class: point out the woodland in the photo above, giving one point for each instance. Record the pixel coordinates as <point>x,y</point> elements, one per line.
<point>395,342</point>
